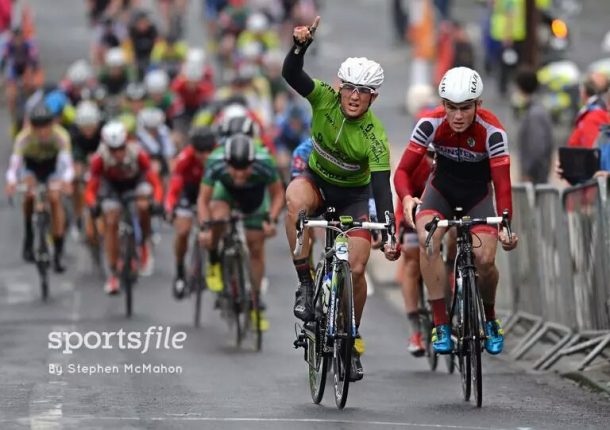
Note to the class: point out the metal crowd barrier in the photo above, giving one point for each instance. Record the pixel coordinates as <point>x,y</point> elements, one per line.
<point>558,278</point>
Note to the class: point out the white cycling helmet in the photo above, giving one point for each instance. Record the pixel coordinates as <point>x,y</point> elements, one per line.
<point>156,81</point>
<point>361,71</point>
<point>192,71</point>
<point>115,57</point>
<point>460,84</point>
<point>114,134</point>
<point>79,72</point>
<point>257,23</point>
<point>195,55</point>
<point>233,111</point>
<point>151,117</point>
<point>87,113</point>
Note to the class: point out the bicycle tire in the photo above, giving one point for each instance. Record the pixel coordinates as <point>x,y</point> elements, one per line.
<point>43,257</point>
<point>475,338</point>
<point>317,373</point>
<point>197,280</point>
<point>126,277</point>
<point>463,345</point>
<point>344,338</point>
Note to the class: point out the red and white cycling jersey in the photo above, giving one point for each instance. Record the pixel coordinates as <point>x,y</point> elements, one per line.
<point>465,163</point>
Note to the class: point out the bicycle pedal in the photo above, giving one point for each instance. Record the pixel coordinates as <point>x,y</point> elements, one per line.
<point>300,342</point>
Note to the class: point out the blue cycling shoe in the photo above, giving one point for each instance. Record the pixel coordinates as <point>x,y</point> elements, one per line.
<point>495,337</point>
<point>441,339</point>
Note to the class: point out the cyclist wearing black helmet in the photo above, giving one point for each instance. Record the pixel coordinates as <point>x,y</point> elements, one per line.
<point>240,175</point>
<point>42,153</point>
<point>182,195</point>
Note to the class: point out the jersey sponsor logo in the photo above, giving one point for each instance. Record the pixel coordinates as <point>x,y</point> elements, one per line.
<point>471,142</point>
<point>330,175</point>
<point>460,154</point>
<point>334,160</point>
<point>377,146</point>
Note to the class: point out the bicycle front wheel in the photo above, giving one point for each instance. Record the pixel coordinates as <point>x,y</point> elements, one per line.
<point>344,334</point>
<point>196,280</point>
<point>476,337</point>
<point>126,273</point>
<point>317,359</point>
<point>43,256</point>
<point>462,304</point>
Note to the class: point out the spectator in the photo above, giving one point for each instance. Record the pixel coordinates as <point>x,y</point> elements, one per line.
<point>593,114</point>
<point>535,141</point>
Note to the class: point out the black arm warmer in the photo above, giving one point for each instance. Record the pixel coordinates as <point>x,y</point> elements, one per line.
<point>293,73</point>
<point>382,193</point>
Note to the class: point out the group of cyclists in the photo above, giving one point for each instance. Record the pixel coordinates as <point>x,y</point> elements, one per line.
<point>192,151</point>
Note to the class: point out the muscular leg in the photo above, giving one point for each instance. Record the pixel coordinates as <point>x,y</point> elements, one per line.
<point>410,285</point>
<point>256,246</point>
<point>488,273</point>
<point>219,209</point>
<point>111,236</point>
<point>301,195</point>
<point>359,252</point>
<point>182,226</point>
<point>433,269</point>
<point>143,208</point>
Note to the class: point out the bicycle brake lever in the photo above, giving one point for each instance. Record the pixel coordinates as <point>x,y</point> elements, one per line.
<point>506,223</point>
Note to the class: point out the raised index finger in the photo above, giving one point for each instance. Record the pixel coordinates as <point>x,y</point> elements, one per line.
<point>314,26</point>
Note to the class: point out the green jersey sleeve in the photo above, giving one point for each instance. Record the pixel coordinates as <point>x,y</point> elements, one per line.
<point>323,95</point>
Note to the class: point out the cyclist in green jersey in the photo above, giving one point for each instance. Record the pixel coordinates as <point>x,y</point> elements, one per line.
<point>240,175</point>
<point>350,157</point>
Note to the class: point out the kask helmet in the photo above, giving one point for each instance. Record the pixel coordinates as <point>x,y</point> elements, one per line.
<point>79,72</point>
<point>361,71</point>
<point>239,151</point>
<point>460,84</point>
<point>203,139</point>
<point>114,134</point>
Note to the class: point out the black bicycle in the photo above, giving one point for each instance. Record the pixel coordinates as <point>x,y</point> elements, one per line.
<point>239,301</point>
<point>195,281</point>
<point>130,236</point>
<point>41,221</point>
<point>332,332</point>
<point>467,314</point>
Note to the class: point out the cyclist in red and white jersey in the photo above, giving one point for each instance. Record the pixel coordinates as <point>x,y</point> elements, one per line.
<point>472,165</point>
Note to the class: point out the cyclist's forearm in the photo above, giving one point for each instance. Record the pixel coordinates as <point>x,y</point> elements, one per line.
<point>293,73</point>
<point>500,175</point>
<point>203,203</point>
<point>14,164</point>
<point>380,182</point>
<point>408,163</point>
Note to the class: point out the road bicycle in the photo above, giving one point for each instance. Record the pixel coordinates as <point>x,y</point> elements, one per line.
<point>467,315</point>
<point>239,302</point>
<point>330,336</point>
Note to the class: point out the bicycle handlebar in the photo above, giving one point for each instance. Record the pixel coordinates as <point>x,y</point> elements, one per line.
<point>468,222</point>
<point>302,222</point>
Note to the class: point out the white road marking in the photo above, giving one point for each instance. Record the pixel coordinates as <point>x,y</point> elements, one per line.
<point>190,417</point>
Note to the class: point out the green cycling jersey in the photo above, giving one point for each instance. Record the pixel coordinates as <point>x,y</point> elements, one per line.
<point>345,151</point>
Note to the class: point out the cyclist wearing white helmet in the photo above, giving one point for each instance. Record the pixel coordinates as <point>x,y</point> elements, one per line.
<point>351,155</point>
<point>79,76</point>
<point>120,166</point>
<point>472,164</point>
<point>85,134</point>
<point>155,137</point>
<point>194,86</point>
<point>160,95</point>
<point>116,74</point>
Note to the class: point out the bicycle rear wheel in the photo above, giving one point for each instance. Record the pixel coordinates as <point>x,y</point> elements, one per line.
<point>344,336</point>
<point>196,282</point>
<point>43,257</point>
<point>317,359</point>
<point>476,337</point>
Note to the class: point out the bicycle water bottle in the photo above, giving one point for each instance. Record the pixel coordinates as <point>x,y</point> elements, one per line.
<point>326,291</point>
